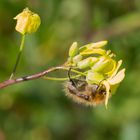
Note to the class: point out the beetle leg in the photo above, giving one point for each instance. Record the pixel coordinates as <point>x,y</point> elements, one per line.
<point>73,90</point>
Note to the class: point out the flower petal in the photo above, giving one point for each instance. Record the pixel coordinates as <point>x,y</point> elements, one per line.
<point>107,86</point>
<point>27,21</point>
<point>116,69</point>
<point>117,78</point>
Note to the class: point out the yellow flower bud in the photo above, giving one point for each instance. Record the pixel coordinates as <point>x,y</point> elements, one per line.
<point>27,21</point>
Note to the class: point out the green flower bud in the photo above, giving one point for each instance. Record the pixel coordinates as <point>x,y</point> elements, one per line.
<point>84,63</point>
<point>100,65</point>
<point>96,45</point>
<point>27,21</point>
<point>77,58</point>
<point>93,61</point>
<point>99,44</point>
<point>94,77</point>
<point>73,49</point>
<point>93,51</point>
<point>104,65</point>
<point>88,62</point>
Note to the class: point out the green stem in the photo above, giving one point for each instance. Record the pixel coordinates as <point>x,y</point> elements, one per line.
<point>18,56</point>
<point>75,71</point>
<point>64,79</point>
<point>59,79</point>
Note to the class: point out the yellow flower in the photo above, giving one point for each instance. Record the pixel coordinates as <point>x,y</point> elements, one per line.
<point>76,54</point>
<point>98,65</point>
<point>114,79</point>
<point>104,71</point>
<point>27,21</point>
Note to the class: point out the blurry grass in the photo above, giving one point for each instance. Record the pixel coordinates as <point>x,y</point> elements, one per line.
<point>39,110</point>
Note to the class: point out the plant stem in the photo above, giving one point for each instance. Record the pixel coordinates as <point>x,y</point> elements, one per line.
<point>18,56</point>
<point>35,76</point>
<point>59,79</point>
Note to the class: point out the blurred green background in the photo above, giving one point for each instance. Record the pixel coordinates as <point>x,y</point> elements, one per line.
<point>39,110</point>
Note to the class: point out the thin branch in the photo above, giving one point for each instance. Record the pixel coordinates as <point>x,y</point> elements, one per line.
<point>36,76</point>
<point>30,77</point>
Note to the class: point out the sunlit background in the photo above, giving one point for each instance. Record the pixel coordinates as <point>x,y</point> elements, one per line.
<point>39,109</point>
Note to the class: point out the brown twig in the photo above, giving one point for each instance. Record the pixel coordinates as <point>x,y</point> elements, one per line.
<point>30,77</point>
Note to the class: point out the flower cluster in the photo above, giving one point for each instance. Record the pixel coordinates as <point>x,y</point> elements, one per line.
<point>97,64</point>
